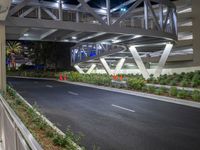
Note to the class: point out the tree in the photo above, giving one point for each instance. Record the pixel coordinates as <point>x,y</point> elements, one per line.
<point>13,48</point>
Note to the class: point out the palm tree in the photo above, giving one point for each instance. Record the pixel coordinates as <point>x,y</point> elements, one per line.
<point>13,48</point>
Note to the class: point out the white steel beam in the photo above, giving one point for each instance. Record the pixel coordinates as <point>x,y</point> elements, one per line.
<point>163,59</point>
<point>92,36</point>
<point>93,66</point>
<point>92,12</point>
<point>119,65</point>
<point>105,65</point>
<point>108,11</point>
<point>122,5</point>
<point>153,14</point>
<point>161,14</point>
<point>67,25</point>
<point>146,15</point>
<point>60,10</point>
<point>129,12</point>
<point>51,31</point>
<point>39,13</point>
<point>79,5</point>
<point>27,12</point>
<point>50,14</point>
<point>2,58</point>
<point>139,62</point>
<point>18,7</point>
<point>78,69</point>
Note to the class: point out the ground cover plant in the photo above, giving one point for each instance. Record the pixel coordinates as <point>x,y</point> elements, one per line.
<point>48,137</point>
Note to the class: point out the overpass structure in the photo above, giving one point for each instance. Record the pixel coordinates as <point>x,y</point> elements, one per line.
<point>131,27</point>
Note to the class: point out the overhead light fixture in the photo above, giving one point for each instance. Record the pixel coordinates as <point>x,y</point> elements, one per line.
<point>137,36</point>
<point>74,37</point>
<point>59,1</point>
<point>26,34</point>
<point>66,40</point>
<point>116,41</point>
<point>104,8</point>
<point>123,9</point>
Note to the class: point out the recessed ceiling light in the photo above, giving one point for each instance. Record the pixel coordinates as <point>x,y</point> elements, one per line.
<point>74,37</point>
<point>66,40</point>
<point>26,34</point>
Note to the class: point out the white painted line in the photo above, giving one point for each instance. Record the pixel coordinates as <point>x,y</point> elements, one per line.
<point>73,93</point>
<point>49,86</point>
<point>123,108</point>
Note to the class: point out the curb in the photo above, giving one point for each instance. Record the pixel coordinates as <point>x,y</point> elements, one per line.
<point>141,94</point>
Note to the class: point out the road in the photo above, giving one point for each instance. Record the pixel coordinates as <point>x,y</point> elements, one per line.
<point>114,121</point>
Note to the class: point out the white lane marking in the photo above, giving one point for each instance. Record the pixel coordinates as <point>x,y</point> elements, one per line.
<point>73,93</point>
<point>123,108</point>
<point>49,86</point>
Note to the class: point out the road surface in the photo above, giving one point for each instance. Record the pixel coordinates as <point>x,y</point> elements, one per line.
<point>114,121</point>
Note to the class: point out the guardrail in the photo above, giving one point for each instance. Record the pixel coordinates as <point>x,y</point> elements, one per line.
<point>13,133</point>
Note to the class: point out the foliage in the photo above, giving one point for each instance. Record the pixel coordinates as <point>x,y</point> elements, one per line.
<point>182,94</point>
<point>135,83</point>
<point>13,47</point>
<point>173,91</point>
<point>190,79</point>
<point>38,126</point>
<point>151,89</point>
<point>196,95</point>
<point>98,79</point>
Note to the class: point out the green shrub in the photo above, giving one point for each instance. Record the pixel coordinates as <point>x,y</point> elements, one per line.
<point>144,89</point>
<point>173,82</point>
<point>196,80</point>
<point>151,89</point>
<point>160,91</point>
<point>196,95</point>
<point>182,94</point>
<point>136,83</point>
<point>185,83</point>
<point>173,91</point>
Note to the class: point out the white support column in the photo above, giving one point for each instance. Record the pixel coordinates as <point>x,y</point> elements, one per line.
<point>108,11</point>
<point>161,14</point>
<point>139,62</point>
<point>2,59</point>
<point>39,12</point>
<point>119,65</point>
<point>78,69</point>
<point>77,17</point>
<point>60,10</point>
<point>91,69</point>
<point>163,60</point>
<point>146,15</point>
<point>105,65</point>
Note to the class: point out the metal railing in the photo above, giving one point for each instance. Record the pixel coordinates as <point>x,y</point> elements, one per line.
<point>13,133</point>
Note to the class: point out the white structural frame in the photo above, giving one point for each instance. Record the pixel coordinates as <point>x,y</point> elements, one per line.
<point>18,17</point>
<point>89,71</point>
<point>139,62</point>
<point>161,63</point>
<point>163,59</point>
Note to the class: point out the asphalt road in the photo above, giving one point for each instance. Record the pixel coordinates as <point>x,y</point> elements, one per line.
<point>114,121</point>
